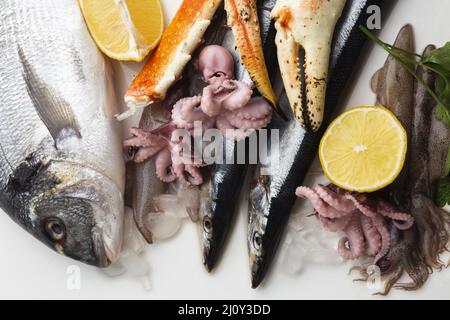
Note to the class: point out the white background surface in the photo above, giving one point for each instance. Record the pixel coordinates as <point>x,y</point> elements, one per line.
<point>30,270</point>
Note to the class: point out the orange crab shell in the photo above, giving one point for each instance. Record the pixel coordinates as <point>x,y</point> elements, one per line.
<point>144,86</point>
<point>243,19</point>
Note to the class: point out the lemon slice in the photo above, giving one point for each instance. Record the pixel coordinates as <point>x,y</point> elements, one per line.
<point>124,29</point>
<point>364,149</point>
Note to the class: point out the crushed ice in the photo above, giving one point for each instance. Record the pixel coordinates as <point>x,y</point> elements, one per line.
<point>306,242</point>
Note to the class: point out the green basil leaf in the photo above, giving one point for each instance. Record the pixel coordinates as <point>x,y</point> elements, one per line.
<point>440,57</point>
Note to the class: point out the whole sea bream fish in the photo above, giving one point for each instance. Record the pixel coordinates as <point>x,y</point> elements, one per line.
<point>61,165</point>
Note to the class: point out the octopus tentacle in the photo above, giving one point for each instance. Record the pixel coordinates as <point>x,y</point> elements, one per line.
<point>225,94</point>
<point>352,246</point>
<point>403,221</point>
<point>181,149</point>
<point>194,176</point>
<point>186,111</point>
<point>210,105</point>
<point>322,208</point>
<point>188,174</point>
<point>242,124</point>
<point>362,204</point>
<point>146,143</point>
<point>165,130</point>
<point>373,230</point>
<point>229,131</point>
<point>334,225</point>
<point>230,85</point>
<point>255,115</point>
<point>333,199</point>
<point>239,97</point>
<point>373,237</point>
<point>178,169</point>
<point>164,169</point>
<point>380,224</point>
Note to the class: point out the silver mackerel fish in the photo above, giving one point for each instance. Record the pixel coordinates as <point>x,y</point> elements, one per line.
<point>61,166</point>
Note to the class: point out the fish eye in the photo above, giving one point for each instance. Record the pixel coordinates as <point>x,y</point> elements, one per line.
<point>55,229</point>
<point>207,224</point>
<point>257,240</point>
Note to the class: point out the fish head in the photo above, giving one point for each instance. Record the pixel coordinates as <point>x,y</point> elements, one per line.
<point>75,210</point>
<point>214,223</point>
<point>218,200</point>
<point>211,234</point>
<point>259,206</point>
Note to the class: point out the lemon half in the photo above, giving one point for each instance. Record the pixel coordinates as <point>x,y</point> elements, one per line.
<point>124,29</point>
<point>364,149</point>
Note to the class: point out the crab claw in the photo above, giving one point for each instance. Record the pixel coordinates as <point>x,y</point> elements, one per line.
<point>166,65</point>
<point>243,20</point>
<point>305,30</point>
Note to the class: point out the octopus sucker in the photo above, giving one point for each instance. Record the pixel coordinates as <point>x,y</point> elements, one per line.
<point>352,246</point>
<point>164,168</point>
<point>373,242</point>
<point>322,208</point>
<point>333,199</point>
<point>380,225</point>
<point>361,204</point>
<point>186,111</point>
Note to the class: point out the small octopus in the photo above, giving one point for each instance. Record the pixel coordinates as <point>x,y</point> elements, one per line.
<point>363,218</point>
<point>225,104</point>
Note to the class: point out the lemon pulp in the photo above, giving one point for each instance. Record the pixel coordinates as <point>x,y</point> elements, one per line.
<point>364,149</point>
<point>124,29</point>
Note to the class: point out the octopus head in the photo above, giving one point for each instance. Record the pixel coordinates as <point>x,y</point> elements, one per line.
<point>216,64</point>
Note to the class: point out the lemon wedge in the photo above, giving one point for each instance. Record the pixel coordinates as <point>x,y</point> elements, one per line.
<point>124,29</point>
<point>364,149</point>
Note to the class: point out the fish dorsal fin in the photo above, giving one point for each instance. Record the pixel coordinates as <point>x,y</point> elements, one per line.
<point>53,110</point>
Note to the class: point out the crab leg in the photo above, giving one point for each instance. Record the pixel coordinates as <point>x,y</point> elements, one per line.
<point>244,22</point>
<point>306,28</point>
<point>166,65</point>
